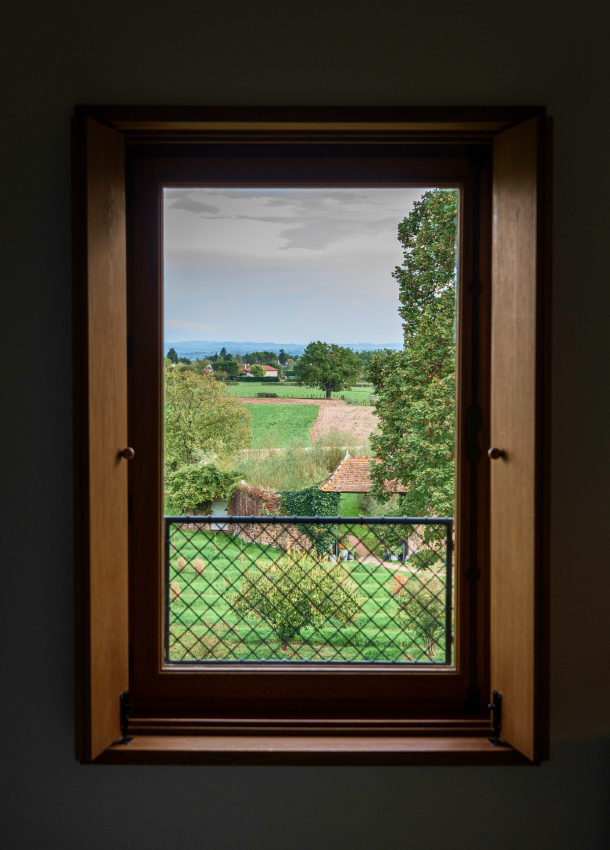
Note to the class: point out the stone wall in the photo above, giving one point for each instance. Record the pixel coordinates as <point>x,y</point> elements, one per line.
<point>247,503</point>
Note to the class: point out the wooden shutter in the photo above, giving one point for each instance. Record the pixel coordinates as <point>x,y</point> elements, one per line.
<point>101,433</point>
<point>519,399</point>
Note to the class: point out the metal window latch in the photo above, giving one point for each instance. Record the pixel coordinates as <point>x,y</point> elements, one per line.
<point>125,709</point>
<point>496,719</point>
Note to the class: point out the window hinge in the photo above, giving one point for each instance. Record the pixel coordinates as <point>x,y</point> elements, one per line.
<point>125,709</point>
<point>496,719</point>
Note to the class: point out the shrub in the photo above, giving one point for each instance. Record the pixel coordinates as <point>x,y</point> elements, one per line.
<point>199,566</point>
<point>296,592</point>
<point>194,486</point>
<point>181,563</point>
<point>267,395</point>
<point>174,591</point>
<point>421,601</point>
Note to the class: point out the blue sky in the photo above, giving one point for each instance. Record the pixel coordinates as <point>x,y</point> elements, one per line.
<point>290,264</point>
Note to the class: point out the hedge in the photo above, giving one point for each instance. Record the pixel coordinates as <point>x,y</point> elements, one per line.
<point>245,379</point>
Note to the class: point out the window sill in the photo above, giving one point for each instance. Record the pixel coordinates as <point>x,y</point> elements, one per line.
<point>310,750</point>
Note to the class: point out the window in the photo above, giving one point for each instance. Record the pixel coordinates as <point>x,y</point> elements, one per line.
<point>318,715</point>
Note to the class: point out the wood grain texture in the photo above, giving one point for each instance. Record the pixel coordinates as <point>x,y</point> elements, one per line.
<point>217,690</point>
<point>514,401</point>
<point>320,750</point>
<point>101,397</point>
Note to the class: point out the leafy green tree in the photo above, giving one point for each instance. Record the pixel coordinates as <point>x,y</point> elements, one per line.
<point>201,365</point>
<point>194,486</point>
<point>184,360</point>
<point>257,371</point>
<point>229,366</point>
<point>421,602</point>
<point>328,367</point>
<point>172,355</point>
<point>200,418</point>
<point>298,591</point>
<point>416,386</point>
<point>282,357</point>
<point>223,354</point>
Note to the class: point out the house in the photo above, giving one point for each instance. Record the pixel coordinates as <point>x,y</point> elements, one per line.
<point>353,476</point>
<point>246,370</point>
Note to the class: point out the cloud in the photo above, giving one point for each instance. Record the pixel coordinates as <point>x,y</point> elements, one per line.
<point>358,303</point>
<point>190,204</point>
<point>311,219</point>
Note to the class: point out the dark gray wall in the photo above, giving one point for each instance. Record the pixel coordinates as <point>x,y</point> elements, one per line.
<point>391,52</point>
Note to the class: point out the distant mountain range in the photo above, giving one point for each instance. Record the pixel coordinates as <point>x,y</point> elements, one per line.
<point>199,348</point>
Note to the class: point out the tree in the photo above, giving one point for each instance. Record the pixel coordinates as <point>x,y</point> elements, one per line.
<point>257,371</point>
<point>223,354</point>
<point>282,357</point>
<point>416,386</point>
<point>328,367</point>
<point>201,365</point>
<point>194,486</point>
<point>229,366</point>
<point>201,419</point>
<point>172,355</point>
<point>297,591</point>
<point>421,602</point>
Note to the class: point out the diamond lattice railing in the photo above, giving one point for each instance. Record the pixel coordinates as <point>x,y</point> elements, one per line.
<point>308,589</point>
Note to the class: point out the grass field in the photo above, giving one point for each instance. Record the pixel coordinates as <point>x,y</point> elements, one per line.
<point>348,506</point>
<point>288,390</point>
<point>203,624</point>
<point>277,426</point>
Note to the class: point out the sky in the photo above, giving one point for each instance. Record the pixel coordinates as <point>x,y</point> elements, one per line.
<point>289,265</point>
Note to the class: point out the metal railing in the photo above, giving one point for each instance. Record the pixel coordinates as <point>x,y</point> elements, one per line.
<point>308,589</point>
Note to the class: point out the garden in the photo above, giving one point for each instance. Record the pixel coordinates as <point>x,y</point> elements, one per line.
<point>230,599</point>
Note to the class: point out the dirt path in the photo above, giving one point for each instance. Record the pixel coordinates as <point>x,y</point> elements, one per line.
<point>359,421</point>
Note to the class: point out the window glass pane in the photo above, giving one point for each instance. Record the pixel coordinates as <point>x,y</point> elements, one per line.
<point>309,371</point>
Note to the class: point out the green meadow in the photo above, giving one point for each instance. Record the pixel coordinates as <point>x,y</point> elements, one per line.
<point>277,426</point>
<point>291,390</point>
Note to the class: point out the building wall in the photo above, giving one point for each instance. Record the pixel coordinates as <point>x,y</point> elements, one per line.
<point>320,52</point>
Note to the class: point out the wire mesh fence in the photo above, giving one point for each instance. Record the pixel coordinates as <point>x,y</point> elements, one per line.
<point>308,589</point>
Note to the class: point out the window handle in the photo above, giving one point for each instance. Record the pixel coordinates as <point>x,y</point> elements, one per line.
<point>127,453</point>
<point>494,453</point>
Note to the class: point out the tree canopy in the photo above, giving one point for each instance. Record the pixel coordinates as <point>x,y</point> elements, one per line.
<point>416,386</point>
<point>172,355</point>
<point>201,420</point>
<point>257,371</point>
<point>328,367</point>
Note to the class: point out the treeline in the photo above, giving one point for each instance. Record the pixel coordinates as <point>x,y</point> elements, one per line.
<point>227,365</point>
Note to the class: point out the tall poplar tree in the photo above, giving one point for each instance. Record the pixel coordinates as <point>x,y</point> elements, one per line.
<point>416,386</point>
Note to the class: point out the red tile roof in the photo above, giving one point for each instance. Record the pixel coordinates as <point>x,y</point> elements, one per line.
<point>353,476</point>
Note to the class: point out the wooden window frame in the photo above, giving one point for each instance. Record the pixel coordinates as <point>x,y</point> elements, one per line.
<point>214,715</point>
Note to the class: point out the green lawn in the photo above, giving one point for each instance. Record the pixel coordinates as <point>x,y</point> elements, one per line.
<point>348,506</point>
<point>290,390</point>
<point>276,426</point>
<point>203,624</point>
